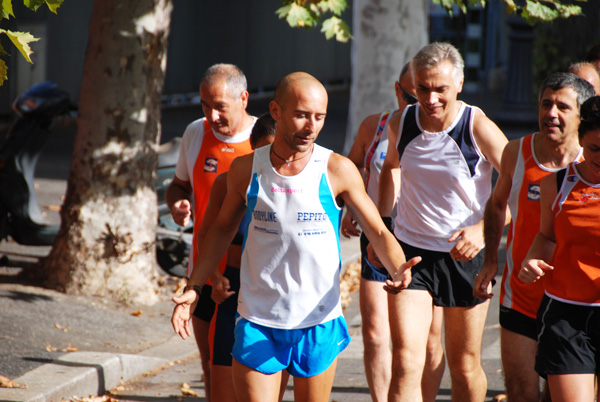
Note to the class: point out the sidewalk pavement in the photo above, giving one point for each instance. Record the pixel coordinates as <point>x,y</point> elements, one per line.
<point>60,346</point>
<point>113,343</point>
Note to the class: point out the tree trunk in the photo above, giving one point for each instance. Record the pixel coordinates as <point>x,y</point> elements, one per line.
<point>387,34</point>
<point>106,244</point>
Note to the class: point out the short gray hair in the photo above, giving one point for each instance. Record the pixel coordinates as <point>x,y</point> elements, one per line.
<point>557,81</point>
<point>233,76</point>
<point>437,52</point>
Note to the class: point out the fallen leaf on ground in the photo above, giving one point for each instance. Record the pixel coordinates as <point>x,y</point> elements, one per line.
<point>349,282</point>
<point>52,207</point>
<point>137,313</point>
<point>50,348</point>
<point>180,285</point>
<point>500,397</point>
<point>103,398</point>
<point>70,348</point>
<point>6,382</point>
<point>60,327</point>
<point>186,390</point>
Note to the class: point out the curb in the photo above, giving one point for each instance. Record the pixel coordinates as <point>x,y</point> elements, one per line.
<point>93,373</point>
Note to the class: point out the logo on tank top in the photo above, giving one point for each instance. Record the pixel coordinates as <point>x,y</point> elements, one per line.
<point>211,164</point>
<point>585,197</point>
<point>533,193</point>
<point>227,149</point>
<point>286,190</point>
<point>312,217</point>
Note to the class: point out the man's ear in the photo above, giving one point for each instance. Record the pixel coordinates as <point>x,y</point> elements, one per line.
<point>275,110</point>
<point>459,87</point>
<point>244,98</point>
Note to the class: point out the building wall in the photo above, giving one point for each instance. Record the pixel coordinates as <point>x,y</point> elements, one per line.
<point>248,34</point>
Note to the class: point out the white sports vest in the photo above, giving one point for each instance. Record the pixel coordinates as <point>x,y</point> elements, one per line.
<point>375,154</point>
<point>291,257</point>
<point>445,180</point>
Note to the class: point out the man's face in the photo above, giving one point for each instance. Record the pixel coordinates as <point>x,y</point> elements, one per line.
<point>559,114</point>
<point>437,90</point>
<point>301,116</point>
<point>591,152</point>
<point>224,113</point>
<point>405,90</point>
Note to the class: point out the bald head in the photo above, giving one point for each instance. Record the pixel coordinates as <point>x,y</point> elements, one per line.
<point>405,87</point>
<point>588,72</point>
<point>295,83</point>
<point>299,108</point>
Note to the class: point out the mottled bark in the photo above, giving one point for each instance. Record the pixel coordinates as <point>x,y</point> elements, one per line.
<point>387,34</point>
<point>106,245</point>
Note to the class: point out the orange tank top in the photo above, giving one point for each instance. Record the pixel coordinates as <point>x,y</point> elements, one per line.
<point>524,204</point>
<point>576,275</point>
<point>215,157</point>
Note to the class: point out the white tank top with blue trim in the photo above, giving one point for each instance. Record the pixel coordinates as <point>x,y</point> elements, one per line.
<point>445,180</point>
<point>291,253</point>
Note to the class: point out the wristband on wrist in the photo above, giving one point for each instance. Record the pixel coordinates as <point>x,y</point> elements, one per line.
<point>195,288</point>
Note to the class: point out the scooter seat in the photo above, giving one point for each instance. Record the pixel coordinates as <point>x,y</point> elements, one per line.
<point>168,153</point>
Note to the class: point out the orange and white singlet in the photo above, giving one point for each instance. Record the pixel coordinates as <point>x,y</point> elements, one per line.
<point>576,275</point>
<point>524,204</point>
<point>203,156</point>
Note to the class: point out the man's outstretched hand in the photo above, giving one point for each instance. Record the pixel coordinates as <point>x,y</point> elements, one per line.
<point>402,278</point>
<point>182,313</point>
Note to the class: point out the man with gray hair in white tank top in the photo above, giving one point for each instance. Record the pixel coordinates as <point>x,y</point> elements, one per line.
<point>445,151</point>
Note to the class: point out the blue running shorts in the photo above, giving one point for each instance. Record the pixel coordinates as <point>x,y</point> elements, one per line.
<point>304,352</point>
<point>369,271</point>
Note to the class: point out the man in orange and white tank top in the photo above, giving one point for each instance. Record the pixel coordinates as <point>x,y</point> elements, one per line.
<point>564,257</point>
<point>525,162</point>
<point>208,147</point>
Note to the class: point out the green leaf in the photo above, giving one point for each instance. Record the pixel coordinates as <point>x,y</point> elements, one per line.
<point>539,11</point>
<point>334,26</point>
<point>33,4</point>
<point>511,7</point>
<point>7,9</point>
<point>3,72</point>
<point>283,12</point>
<point>477,3</point>
<point>299,16</point>
<point>54,4</point>
<point>567,11</point>
<point>2,51</point>
<point>21,40</point>
<point>334,6</point>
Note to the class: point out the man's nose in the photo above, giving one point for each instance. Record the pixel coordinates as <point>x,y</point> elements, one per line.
<point>433,98</point>
<point>311,124</point>
<point>553,111</point>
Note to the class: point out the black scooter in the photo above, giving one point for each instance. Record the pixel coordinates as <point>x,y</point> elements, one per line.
<point>37,110</point>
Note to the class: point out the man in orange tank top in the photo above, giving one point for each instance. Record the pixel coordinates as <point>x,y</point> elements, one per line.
<point>208,147</point>
<point>525,162</point>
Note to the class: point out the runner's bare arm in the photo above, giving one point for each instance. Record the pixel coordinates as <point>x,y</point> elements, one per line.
<point>347,184</point>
